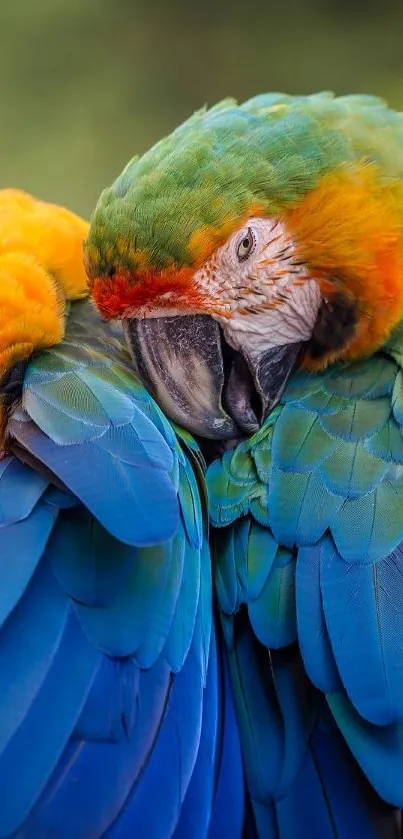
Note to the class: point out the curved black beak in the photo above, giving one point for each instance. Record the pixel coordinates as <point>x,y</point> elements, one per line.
<point>200,381</point>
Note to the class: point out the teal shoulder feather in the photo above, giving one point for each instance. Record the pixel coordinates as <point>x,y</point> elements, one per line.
<point>308,518</point>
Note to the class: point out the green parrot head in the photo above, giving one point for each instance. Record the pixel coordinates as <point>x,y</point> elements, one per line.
<point>255,238</point>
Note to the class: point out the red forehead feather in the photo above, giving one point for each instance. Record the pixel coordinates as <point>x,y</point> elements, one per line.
<point>124,292</point>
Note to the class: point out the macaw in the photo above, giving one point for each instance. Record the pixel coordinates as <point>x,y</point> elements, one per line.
<point>255,259</point>
<point>116,713</point>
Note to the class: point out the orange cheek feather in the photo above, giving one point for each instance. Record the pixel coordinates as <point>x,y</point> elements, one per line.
<point>350,232</point>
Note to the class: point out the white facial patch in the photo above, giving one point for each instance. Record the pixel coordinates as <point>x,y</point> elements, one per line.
<point>267,294</point>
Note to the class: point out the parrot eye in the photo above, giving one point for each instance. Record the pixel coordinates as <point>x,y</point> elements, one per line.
<point>246,245</point>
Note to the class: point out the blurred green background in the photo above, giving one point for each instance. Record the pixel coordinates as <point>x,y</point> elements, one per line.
<point>85,84</point>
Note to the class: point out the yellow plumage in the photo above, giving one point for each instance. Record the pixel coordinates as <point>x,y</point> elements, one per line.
<point>41,267</point>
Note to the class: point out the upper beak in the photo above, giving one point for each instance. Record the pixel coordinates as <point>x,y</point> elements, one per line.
<point>200,382</point>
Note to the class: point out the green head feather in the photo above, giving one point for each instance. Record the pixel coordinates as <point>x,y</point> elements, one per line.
<point>210,171</point>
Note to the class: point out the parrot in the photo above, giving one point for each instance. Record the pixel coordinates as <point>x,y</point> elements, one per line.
<point>117,716</point>
<point>254,258</point>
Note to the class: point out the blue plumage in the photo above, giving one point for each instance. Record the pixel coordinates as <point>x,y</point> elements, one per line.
<point>113,700</point>
<point>134,700</point>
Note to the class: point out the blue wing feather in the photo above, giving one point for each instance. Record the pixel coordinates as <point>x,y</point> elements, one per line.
<point>93,780</point>
<point>171,764</point>
<point>110,710</point>
<point>332,797</point>
<point>189,498</point>
<point>184,619</point>
<point>20,490</point>
<point>228,813</point>
<point>196,810</point>
<point>204,616</point>
<point>378,749</point>
<point>21,547</point>
<point>313,635</point>
<point>69,678</point>
<point>121,627</point>
<point>80,552</point>
<point>272,614</point>
<point>29,641</point>
<point>166,600</point>
<point>362,607</point>
<point>122,497</point>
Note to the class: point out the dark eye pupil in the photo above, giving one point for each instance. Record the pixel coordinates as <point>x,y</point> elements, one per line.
<point>245,246</point>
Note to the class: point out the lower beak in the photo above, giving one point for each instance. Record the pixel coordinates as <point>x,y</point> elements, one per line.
<point>200,382</point>
<point>271,371</point>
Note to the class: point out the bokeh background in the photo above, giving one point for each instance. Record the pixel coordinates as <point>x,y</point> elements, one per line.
<point>85,84</point>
